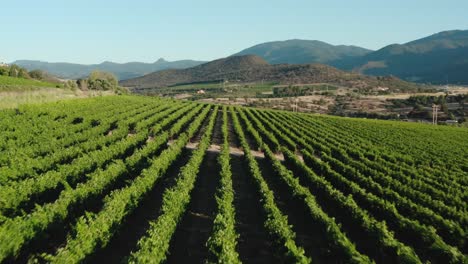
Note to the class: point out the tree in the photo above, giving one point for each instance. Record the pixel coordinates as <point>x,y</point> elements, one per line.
<point>23,73</point>
<point>101,75</point>
<point>99,80</point>
<point>461,98</point>
<point>4,71</point>
<point>71,84</point>
<point>82,84</point>
<point>444,107</point>
<point>14,71</point>
<point>37,74</point>
<point>451,116</point>
<point>418,107</point>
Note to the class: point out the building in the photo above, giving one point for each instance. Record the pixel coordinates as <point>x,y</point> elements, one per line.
<point>381,89</point>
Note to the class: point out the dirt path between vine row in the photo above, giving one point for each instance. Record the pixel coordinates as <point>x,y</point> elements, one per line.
<point>236,151</point>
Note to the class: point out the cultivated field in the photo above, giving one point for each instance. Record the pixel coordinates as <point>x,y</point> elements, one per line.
<point>138,179</point>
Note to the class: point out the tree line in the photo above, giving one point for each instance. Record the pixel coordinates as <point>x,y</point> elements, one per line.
<point>97,80</point>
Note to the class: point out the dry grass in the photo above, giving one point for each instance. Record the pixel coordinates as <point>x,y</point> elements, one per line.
<point>12,99</point>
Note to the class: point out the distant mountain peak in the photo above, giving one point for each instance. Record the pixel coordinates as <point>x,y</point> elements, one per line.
<point>246,60</point>
<point>451,33</point>
<point>161,60</point>
<point>121,70</point>
<point>433,59</point>
<point>253,69</point>
<point>302,51</point>
<point>454,36</point>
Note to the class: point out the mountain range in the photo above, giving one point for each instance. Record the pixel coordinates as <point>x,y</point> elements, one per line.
<point>298,51</point>
<point>254,69</point>
<point>439,58</point>
<point>121,70</point>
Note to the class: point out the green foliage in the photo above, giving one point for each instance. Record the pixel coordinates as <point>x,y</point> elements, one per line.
<point>372,189</point>
<point>8,83</point>
<point>277,222</point>
<point>100,228</point>
<point>15,78</point>
<point>405,226</point>
<point>14,71</point>
<point>222,243</point>
<point>37,74</point>
<point>154,246</point>
<point>99,80</point>
<point>4,71</point>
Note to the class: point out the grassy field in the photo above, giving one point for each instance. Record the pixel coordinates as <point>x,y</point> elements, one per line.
<point>19,84</point>
<point>14,99</point>
<point>17,91</point>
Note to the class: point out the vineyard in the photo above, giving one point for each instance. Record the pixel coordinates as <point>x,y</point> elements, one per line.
<point>147,180</point>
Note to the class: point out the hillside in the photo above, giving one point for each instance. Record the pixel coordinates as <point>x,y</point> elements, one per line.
<point>251,68</point>
<point>122,71</point>
<point>437,59</point>
<point>11,83</point>
<point>15,92</point>
<point>297,51</point>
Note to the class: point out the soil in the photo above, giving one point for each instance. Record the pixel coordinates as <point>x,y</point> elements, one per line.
<point>188,244</point>
<point>137,224</point>
<point>364,243</point>
<point>309,235</point>
<point>217,137</point>
<point>198,135</point>
<point>254,243</point>
<point>233,140</point>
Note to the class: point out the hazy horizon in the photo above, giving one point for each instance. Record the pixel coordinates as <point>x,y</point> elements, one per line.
<point>89,32</point>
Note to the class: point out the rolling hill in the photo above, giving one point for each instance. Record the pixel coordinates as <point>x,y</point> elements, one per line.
<point>252,68</point>
<point>438,58</point>
<point>122,71</point>
<point>297,51</point>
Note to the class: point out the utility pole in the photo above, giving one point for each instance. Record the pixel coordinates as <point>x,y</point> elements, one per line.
<point>327,80</point>
<point>433,114</point>
<point>295,101</point>
<point>296,105</point>
<point>435,109</point>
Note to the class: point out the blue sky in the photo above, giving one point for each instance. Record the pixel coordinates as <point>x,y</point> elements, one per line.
<point>92,31</point>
